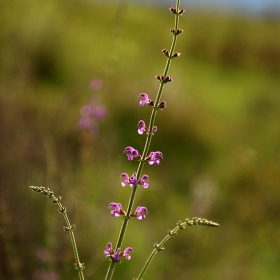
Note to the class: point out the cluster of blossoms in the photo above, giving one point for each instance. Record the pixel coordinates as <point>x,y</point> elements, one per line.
<point>134,182</point>
<point>116,256</point>
<point>92,113</point>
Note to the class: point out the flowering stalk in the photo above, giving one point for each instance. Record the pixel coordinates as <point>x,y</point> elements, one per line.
<point>171,233</point>
<point>70,228</point>
<point>154,157</point>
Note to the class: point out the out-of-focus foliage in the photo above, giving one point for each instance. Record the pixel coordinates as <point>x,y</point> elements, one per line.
<point>219,136</point>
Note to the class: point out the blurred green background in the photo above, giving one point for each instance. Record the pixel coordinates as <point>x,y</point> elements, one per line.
<point>220,137</point>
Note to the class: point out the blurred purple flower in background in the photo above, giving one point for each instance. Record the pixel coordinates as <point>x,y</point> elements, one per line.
<point>95,84</point>
<point>92,112</point>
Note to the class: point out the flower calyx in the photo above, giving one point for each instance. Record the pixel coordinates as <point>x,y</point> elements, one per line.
<point>161,105</point>
<point>158,247</point>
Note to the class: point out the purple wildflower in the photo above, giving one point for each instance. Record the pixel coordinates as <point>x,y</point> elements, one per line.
<point>144,181</point>
<point>133,181</point>
<point>96,84</point>
<point>116,256</point>
<point>117,209</point>
<point>109,251</point>
<point>126,253</point>
<point>152,158</point>
<point>145,100</point>
<point>91,114</point>
<point>142,127</point>
<point>141,212</point>
<point>131,153</point>
<point>126,179</point>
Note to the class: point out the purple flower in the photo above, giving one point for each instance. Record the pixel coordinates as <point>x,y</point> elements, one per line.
<point>145,181</point>
<point>91,114</point>
<point>86,110</point>
<point>100,112</point>
<point>153,158</point>
<point>96,84</point>
<point>133,181</point>
<point>109,251</point>
<point>126,179</point>
<point>141,212</point>
<point>126,253</point>
<point>131,153</point>
<point>116,256</point>
<point>117,209</point>
<point>142,127</point>
<point>145,99</point>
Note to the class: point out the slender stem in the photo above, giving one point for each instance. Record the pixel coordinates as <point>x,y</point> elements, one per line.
<point>78,265</point>
<point>147,144</point>
<point>171,233</point>
<point>49,194</point>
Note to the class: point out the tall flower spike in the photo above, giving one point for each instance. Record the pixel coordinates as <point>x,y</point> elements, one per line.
<point>117,209</point>
<point>153,158</point>
<point>131,153</point>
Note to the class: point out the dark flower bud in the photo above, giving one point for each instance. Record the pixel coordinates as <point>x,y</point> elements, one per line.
<point>166,52</point>
<point>163,79</point>
<point>181,11</point>
<point>151,102</point>
<point>176,32</point>
<point>159,77</point>
<point>162,105</point>
<point>176,54</point>
<point>173,10</point>
<point>167,79</point>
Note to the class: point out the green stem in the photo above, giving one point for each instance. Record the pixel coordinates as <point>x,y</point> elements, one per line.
<point>172,233</point>
<point>49,194</point>
<point>78,265</point>
<point>147,145</point>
